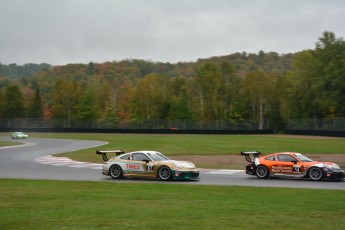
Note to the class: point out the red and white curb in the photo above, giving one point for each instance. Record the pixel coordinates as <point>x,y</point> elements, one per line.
<point>65,161</point>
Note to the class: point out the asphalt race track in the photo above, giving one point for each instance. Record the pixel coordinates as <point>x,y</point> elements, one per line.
<point>33,160</point>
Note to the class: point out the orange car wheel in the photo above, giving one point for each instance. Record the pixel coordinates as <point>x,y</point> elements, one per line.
<point>262,172</point>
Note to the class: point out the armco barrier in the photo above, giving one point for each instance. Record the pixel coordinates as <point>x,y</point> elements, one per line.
<point>317,133</point>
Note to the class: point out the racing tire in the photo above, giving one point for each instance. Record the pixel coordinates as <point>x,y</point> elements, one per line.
<point>315,174</point>
<point>116,172</point>
<point>262,172</point>
<point>164,173</point>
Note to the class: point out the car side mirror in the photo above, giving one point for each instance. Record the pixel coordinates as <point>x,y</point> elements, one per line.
<point>295,162</point>
<point>147,161</point>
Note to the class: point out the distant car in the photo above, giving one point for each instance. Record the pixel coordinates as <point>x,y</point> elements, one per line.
<point>19,135</point>
<point>290,164</point>
<point>147,164</point>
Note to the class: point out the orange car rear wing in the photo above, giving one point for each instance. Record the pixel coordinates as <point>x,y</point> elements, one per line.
<point>104,153</point>
<point>247,155</point>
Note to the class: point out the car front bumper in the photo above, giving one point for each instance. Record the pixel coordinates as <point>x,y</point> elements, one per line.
<point>185,175</point>
<point>340,175</point>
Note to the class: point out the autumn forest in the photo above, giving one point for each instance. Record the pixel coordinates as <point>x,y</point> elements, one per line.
<point>238,91</point>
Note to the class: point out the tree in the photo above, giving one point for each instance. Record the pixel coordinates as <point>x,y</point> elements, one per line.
<point>305,91</point>
<point>14,102</point>
<point>318,81</point>
<point>107,100</point>
<point>257,90</point>
<point>151,97</point>
<point>87,108</point>
<point>216,87</point>
<point>330,54</point>
<point>179,99</point>
<point>36,105</point>
<point>65,99</point>
<point>2,104</point>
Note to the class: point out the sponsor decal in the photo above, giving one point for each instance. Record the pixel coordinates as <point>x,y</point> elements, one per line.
<point>281,169</point>
<point>133,166</point>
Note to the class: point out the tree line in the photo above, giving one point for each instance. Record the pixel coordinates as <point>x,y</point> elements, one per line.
<point>265,88</point>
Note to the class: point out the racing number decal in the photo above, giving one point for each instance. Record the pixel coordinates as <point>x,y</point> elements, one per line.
<point>296,169</point>
<point>150,167</point>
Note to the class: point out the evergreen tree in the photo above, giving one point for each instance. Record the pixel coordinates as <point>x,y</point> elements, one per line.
<point>36,106</point>
<point>14,102</point>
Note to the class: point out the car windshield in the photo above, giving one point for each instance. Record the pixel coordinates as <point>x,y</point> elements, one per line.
<point>156,156</point>
<point>303,158</point>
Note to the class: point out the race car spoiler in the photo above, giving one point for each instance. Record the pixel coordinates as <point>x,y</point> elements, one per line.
<point>247,155</point>
<point>104,153</point>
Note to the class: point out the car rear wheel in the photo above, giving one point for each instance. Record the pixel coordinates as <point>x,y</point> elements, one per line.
<point>115,172</point>
<point>315,173</point>
<point>262,172</point>
<point>164,173</point>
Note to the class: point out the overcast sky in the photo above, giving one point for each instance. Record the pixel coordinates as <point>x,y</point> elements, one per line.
<point>79,31</point>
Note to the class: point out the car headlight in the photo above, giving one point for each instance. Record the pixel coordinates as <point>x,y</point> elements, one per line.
<point>177,165</point>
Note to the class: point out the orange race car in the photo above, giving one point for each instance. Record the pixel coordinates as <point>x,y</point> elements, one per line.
<point>290,164</point>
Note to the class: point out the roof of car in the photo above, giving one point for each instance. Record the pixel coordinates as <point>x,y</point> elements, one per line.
<point>145,151</point>
<point>289,153</point>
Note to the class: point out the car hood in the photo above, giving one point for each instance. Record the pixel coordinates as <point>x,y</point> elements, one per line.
<point>326,164</point>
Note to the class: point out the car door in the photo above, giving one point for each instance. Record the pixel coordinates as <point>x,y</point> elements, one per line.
<point>138,165</point>
<point>285,164</point>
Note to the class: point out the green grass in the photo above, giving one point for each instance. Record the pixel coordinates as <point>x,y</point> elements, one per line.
<point>8,143</point>
<point>173,145</point>
<point>30,204</point>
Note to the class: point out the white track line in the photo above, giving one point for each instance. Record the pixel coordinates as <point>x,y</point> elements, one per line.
<point>225,172</point>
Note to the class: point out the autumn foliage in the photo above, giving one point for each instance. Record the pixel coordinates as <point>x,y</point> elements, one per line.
<point>265,89</point>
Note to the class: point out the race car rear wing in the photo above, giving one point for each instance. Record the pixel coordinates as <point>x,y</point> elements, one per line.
<point>104,153</point>
<point>247,155</point>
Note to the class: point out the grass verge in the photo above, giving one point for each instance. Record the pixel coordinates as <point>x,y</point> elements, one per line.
<point>8,143</point>
<point>177,145</point>
<point>32,204</point>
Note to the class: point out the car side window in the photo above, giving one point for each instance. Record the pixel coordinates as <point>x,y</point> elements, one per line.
<point>271,158</point>
<point>286,158</point>
<point>125,157</point>
<point>139,157</point>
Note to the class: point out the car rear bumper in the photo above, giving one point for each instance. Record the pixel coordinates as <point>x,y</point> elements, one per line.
<point>250,169</point>
<point>105,172</point>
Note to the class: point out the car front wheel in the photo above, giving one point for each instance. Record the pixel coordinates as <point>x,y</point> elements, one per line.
<point>262,172</point>
<point>164,173</point>
<point>115,172</point>
<point>315,174</point>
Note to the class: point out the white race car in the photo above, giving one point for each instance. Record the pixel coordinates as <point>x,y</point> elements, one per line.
<point>149,164</point>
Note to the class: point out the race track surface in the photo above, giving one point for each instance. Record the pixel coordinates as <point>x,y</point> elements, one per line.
<point>34,160</point>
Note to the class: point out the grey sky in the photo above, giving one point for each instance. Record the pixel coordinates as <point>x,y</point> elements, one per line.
<point>79,31</point>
